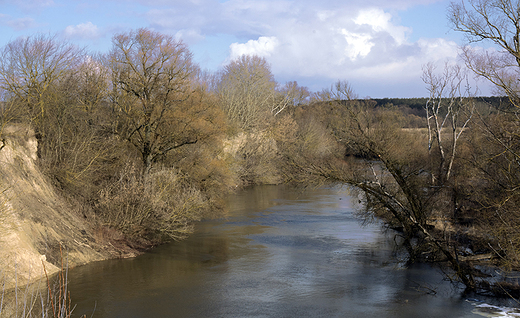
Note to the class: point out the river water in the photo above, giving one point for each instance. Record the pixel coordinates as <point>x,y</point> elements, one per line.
<point>280,252</point>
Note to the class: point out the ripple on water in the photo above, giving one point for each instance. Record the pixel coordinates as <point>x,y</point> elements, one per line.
<point>487,310</point>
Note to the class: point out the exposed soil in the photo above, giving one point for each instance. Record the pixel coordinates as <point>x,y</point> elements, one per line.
<point>38,228</point>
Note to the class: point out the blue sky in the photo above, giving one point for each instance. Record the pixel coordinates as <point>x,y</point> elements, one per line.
<point>378,46</point>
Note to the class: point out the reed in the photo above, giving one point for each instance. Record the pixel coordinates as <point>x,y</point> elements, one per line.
<point>46,298</point>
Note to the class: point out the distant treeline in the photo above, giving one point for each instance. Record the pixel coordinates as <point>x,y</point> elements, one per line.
<point>417,104</point>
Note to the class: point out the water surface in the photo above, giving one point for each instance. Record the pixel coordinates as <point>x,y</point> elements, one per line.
<point>280,252</point>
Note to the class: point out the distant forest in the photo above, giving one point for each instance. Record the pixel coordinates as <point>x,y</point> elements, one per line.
<point>416,105</point>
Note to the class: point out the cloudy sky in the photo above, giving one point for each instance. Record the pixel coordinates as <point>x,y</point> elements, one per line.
<point>379,46</point>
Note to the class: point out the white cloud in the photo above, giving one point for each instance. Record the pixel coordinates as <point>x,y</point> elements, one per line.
<point>83,31</point>
<point>189,35</point>
<point>264,47</point>
<point>380,21</point>
<point>438,49</point>
<point>364,45</point>
<point>324,15</point>
<point>355,40</point>
<point>20,23</point>
<point>359,44</point>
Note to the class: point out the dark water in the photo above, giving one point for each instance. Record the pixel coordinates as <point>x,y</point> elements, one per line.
<point>280,252</point>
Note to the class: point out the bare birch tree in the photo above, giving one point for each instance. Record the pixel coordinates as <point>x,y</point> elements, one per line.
<point>449,107</point>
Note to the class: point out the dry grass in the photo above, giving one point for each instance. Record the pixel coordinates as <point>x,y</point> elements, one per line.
<point>45,298</point>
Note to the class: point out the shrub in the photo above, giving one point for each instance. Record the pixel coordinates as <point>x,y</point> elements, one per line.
<point>161,205</point>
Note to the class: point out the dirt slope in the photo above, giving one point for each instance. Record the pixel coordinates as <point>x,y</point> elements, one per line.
<point>34,220</point>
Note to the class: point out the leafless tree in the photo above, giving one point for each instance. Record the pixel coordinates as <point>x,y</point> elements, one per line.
<point>497,151</point>
<point>151,78</point>
<point>30,66</point>
<point>496,22</point>
<point>245,89</point>
<point>341,90</point>
<point>249,94</point>
<point>449,106</point>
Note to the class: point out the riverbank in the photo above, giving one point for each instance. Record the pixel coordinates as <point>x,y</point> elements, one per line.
<point>44,229</point>
<point>37,224</point>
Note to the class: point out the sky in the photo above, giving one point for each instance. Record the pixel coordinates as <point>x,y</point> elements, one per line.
<point>378,46</point>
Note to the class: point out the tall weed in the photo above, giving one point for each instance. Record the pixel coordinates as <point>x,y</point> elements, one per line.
<point>47,297</point>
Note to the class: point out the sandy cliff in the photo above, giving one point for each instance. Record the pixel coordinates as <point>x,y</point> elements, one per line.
<point>34,221</point>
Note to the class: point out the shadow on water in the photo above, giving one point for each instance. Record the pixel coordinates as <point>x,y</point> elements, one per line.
<point>281,252</point>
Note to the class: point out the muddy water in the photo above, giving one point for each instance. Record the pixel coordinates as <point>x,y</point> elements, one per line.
<point>280,252</point>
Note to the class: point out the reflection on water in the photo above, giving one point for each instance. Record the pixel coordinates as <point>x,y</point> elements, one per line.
<point>280,252</point>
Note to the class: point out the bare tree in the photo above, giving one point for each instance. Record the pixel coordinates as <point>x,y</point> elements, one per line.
<point>151,77</point>
<point>245,89</point>
<point>93,82</point>
<point>449,106</point>
<point>30,66</point>
<point>249,94</point>
<point>394,180</point>
<point>289,95</point>
<point>496,22</point>
<point>394,166</point>
<point>341,90</point>
<point>300,95</point>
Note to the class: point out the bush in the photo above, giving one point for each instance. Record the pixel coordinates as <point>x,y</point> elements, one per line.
<point>162,205</point>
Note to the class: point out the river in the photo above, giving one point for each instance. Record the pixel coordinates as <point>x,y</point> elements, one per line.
<point>280,252</point>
